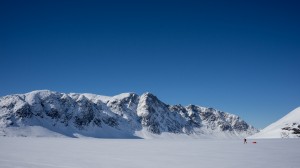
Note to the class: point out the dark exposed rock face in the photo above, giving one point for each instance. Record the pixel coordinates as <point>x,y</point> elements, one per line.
<point>24,111</point>
<point>294,129</point>
<point>125,112</point>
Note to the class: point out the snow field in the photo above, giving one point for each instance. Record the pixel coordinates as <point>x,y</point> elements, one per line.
<point>18,152</point>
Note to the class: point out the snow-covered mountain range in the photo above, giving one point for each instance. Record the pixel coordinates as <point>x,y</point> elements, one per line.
<point>128,115</point>
<point>287,127</point>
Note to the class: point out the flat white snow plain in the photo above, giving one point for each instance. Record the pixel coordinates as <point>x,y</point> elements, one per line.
<point>18,152</point>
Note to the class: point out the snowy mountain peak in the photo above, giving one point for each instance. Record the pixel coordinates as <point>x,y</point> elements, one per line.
<point>125,115</point>
<point>286,127</point>
<point>149,95</point>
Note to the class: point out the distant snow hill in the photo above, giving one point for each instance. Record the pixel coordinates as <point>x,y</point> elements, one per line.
<point>286,127</point>
<point>46,113</point>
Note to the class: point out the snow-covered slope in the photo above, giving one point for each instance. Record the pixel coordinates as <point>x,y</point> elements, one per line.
<point>286,127</point>
<point>47,113</point>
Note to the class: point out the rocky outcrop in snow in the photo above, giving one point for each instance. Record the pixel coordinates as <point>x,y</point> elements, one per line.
<point>123,116</point>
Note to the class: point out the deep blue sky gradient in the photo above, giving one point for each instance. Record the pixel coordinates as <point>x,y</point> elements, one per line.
<point>239,57</point>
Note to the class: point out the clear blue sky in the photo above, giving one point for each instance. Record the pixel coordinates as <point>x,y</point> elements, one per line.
<point>239,57</point>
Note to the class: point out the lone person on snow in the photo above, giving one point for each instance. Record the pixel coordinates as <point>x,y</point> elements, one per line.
<point>245,140</point>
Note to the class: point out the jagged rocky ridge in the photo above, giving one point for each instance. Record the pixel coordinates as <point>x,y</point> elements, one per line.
<point>126,115</point>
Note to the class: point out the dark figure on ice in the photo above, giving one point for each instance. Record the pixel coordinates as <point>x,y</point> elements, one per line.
<point>245,140</point>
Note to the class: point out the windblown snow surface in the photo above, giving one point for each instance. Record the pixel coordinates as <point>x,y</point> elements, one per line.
<point>18,152</point>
